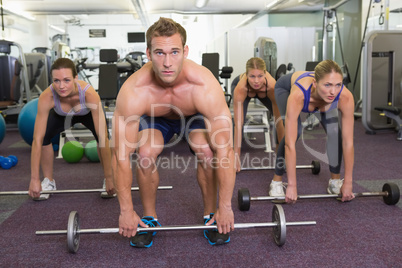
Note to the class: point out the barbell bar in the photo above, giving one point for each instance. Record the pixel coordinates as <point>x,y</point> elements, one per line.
<point>76,191</point>
<point>390,193</point>
<point>278,223</point>
<point>315,167</point>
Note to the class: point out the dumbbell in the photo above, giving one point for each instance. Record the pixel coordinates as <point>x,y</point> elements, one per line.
<point>8,162</point>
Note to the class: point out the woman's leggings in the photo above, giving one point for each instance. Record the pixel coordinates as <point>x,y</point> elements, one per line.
<point>266,101</point>
<point>57,123</point>
<point>329,121</point>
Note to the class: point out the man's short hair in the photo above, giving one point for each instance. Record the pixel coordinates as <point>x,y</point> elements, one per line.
<point>165,27</point>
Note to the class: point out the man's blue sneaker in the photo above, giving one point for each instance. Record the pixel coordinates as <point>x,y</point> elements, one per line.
<point>144,239</point>
<point>213,236</point>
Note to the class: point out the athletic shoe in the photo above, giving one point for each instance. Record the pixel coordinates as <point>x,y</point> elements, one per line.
<point>47,185</point>
<point>144,239</point>
<point>104,194</point>
<point>213,236</point>
<point>334,186</point>
<point>276,188</point>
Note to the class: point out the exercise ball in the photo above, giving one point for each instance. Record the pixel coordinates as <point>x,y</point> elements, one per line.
<point>26,120</point>
<point>72,151</point>
<point>55,147</point>
<point>91,151</point>
<point>2,128</point>
<point>55,142</point>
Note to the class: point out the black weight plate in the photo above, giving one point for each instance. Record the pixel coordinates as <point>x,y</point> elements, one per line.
<point>243,198</point>
<point>316,167</point>
<point>393,193</point>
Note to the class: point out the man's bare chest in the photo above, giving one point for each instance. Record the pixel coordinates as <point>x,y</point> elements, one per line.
<point>172,105</point>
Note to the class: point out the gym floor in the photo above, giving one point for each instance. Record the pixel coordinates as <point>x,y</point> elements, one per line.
<point>363,233</point>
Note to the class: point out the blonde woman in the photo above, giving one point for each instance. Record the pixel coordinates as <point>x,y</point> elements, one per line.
<point>320,92</point>
<point>256,82</point>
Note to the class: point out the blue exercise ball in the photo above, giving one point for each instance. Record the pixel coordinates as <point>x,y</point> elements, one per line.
<point>56,147</point>
<point>26,120</point>
<point>56,142</point>
<point>2,128</point>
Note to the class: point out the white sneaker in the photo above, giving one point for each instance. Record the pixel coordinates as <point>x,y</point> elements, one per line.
<point>47,185</point>
<point>334,186</point>
<point>276,188</point>
<point>104,194</point>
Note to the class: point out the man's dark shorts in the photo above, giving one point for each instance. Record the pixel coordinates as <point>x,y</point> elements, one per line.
<point>169,127</point>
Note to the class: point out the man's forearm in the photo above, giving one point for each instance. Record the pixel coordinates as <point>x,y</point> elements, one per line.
<point>226,178</point>
<point>123,180</point>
